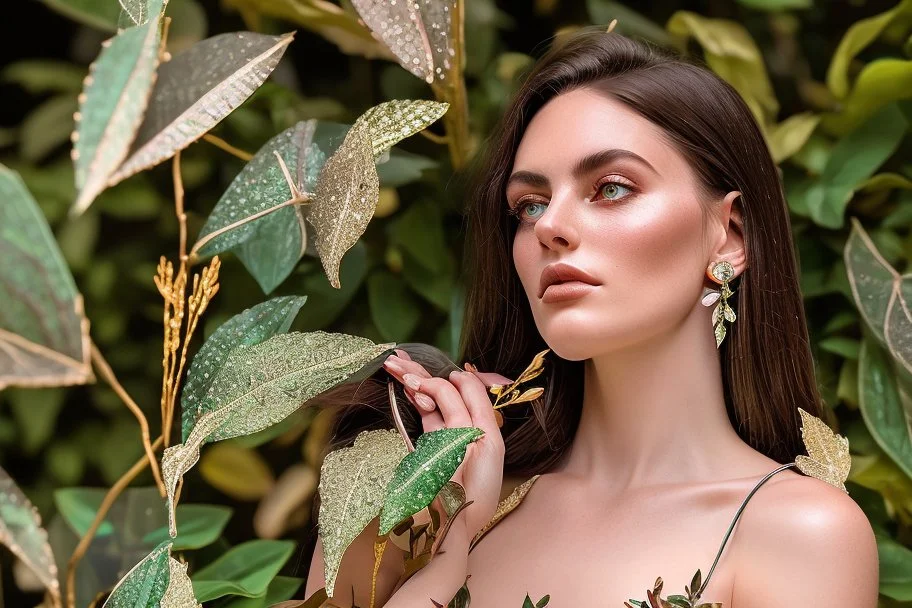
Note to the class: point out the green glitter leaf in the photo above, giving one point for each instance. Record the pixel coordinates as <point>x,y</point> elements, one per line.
<point>352,488</point>
<point>114,98</point>
<point>270,245</point>
<point>145,584</point>
<point>422,473</point>
<point>252,326</point>
<point>262,384</point>
<point>21,531</point>
<point>197,89</point>
<point>392,121</point>
<point>44,334</point>
<point>139,12</point>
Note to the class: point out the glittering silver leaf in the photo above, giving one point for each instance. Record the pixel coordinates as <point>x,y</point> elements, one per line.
<point>21,531</point>
<point>345,199</point>
<point>261,384</point>
<point>179,593</point>
<point>44,334</point>
<point>418,32</point>
<point>197,89</point>
<point>352,487</point>
<point>111,108</point>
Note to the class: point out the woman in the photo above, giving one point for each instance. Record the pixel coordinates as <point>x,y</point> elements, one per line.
<point>637,173</point>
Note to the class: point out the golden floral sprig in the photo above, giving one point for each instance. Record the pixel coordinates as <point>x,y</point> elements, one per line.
<point>176,307</point>
<point>691,600</point>
<point>511,391</point>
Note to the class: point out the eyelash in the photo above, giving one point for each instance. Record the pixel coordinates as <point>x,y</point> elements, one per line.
<point>521,204</point>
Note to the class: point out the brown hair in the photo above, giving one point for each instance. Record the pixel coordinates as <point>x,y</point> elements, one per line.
<point>767,364</point>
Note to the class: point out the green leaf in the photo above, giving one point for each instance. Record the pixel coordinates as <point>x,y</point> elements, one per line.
<point>101,14</point>
<point>352,487</point>
<point>403,168</point>
<point>260,385</point>
<point>197,89</point>
<point>21,531</point>
<point>419,231</point>
<point>435,287</point>
<point>394,310</point>
<point>630,22</point>
<point>859,36</point>
<point>280,589</point>
<point>325,303</point>
<point>78,507</point>
<point>881,406</point>
<point>140,12</point>
<point>422,473</point>
<point>35,411</point>
<point>269,246</point>
<point>114,98</point>
<point>45,339</point>
<point>790,135</point>
<point>252,326</point>
<point>38,76</point>
<point>201,525</point>
<point>895,569</point>
<point>245,570</point>
<point>881,82</point>
<point>854,159</point>
<point>145,584</point>
<point>844,347</point>
<point>47,127</point>
<point>776,5</point>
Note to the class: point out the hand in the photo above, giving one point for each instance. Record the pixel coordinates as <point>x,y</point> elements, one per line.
<point>460,401</point>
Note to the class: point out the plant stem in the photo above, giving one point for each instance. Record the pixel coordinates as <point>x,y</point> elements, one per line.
<point>119,486</point>
<point>456,119</point>
<point>179,205</point>
<point>105,370</point>
<point>224,145</point>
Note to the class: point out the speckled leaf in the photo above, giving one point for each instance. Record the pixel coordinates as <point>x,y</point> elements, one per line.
<point>145,584</point>
<point>422,473</point>
<point>828,456</point>
<point>392,121</point>
<point>251,326</point>
<point>140,12</point>
<point>345,199</point>
<point>270,246</point>
<point>352,487</point>
<point>261,384</point>
<point>418,33</point>
<point>197,89</point>
<point>179,593</point>
<point>114,98</point>
<point>44,334</point>
<point>21,531</point>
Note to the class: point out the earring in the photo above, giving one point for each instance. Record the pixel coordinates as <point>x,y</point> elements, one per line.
<point>720,272</point>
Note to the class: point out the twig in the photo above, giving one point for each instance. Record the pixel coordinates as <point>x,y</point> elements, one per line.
<point>437,139</point>
<point>103,509</point>
<point>179,204</point>
<point>108,374</point>
<point>224,145</point>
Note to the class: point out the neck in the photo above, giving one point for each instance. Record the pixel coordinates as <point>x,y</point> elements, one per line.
<point>654,413</point>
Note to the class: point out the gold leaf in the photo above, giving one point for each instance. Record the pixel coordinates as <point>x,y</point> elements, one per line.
<point>529,395</point>
<point>828,453</point>
<point>392,121</point>
<point>720,334</point>
<point>729,313</point>
<point>345,199</point>
<point>179,593</point>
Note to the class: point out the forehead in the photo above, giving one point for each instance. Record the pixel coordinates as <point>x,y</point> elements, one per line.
<point>584,121</point>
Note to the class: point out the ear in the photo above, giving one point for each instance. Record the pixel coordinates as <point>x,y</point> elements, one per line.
<point>730,245</point>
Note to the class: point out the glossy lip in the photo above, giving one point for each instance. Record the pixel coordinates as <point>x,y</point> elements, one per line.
<point>569,290</point>
<point>561,272</point>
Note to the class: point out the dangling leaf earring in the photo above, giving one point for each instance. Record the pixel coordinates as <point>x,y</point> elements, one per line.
<point>720,272</point>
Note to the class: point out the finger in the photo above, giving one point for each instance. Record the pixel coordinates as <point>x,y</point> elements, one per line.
<point>402,366</point>
<point>432,421</point>
<point>402,354</point>
<point>448,400</point>
<point>478,403</point>
<point>489,378</point>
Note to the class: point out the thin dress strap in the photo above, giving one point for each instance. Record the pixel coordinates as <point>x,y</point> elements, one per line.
<point>731,526</point>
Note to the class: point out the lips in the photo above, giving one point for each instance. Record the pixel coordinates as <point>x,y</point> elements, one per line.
<point>561,273</point>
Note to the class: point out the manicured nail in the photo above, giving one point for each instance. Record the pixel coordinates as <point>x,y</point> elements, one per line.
<point>412,381</point>
<point>470,367</point>
<point>425,401</point>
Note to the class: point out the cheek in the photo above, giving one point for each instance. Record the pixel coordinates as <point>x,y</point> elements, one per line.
<point>524,261</point>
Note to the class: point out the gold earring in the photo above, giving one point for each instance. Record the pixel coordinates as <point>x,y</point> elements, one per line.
<point>720,272</point>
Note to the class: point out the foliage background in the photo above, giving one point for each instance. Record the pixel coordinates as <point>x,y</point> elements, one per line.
<point>402,283</point>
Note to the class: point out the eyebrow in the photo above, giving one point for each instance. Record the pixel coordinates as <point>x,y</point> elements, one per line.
<point>582,167</point>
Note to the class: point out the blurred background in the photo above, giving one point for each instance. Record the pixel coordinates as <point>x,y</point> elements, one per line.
<point>843,150</point>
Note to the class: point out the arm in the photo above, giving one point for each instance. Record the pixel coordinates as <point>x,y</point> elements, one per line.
<point>440,579</point>
<point>807,544</point>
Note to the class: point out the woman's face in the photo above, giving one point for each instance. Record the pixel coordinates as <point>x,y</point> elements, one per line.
<point>609,196</point>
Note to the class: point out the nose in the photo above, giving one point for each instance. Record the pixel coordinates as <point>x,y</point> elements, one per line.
<point>557,227</point>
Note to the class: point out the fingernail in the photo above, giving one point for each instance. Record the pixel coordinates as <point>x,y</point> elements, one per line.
<point>425,401</point>
<point>412,381</point>
<point>470,367</point>
<point>400,353</point>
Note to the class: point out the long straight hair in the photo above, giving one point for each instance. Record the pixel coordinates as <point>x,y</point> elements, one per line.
<point>767,363</point>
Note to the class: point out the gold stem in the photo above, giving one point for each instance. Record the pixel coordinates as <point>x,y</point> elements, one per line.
<point>437,139</point>
<point>179,204</point>
<point>456,120</point>
<point>224,145</point>
<point>103,509</point>
<point>108,374</point>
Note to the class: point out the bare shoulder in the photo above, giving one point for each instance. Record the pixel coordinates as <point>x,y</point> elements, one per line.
<point>802,541</point>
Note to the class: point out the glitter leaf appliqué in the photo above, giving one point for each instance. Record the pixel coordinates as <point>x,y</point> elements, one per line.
<point>828,453</point>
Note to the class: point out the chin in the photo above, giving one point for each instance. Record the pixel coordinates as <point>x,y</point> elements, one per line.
<point>570,336</point>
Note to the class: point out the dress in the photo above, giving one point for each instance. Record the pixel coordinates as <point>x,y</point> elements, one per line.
<point>511,502</point>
